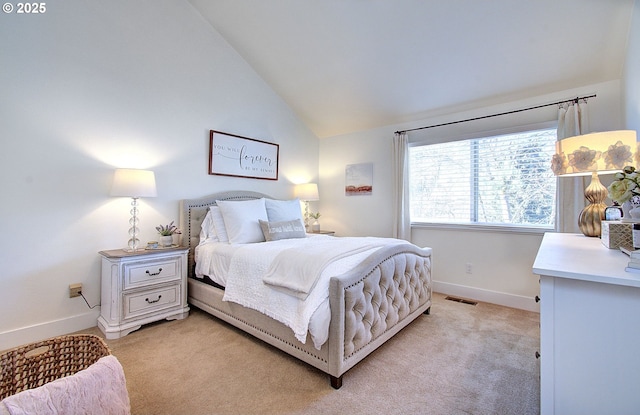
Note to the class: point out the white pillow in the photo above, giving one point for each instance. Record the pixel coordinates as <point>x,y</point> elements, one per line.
<point>241,220</point>
<point>218,224</point>
<point>283,210</point>
<point>207,229</point>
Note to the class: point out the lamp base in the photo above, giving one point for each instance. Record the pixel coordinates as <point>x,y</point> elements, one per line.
<point>307,226</point>
<point>133,249</point>
<point>133,243</point>
<point>591,217</point>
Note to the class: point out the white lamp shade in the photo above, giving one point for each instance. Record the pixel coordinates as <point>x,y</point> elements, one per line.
<point>134,183</point>
<point>604,152</point>
<point>307,192</point>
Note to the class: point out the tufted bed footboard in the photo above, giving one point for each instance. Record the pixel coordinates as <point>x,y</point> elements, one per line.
<point>369,305</point>
<point>372,303</point>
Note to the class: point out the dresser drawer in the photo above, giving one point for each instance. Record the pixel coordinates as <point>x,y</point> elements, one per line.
<point>149,301</point>
<point>143,273</point>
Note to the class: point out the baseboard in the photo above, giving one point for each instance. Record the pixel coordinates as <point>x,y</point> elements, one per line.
<point>24,335</point>
<point>487,296</point>
<point>30,334</point>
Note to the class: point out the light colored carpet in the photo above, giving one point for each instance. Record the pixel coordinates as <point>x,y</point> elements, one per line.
<point>461,359</point>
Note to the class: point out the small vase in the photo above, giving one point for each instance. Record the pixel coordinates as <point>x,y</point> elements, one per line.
<point>315,226</point>
<point>166,241</point>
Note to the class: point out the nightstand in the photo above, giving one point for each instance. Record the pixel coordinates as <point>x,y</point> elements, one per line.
<point>142,287</point>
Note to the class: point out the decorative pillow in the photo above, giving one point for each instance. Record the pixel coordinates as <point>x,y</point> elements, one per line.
<point>241,220</point>
<point>207,229</point>
<point>281,210</point>
<point>274,231</point>
<point>218,224</point>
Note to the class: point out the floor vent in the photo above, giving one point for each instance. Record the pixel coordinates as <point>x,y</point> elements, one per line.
<point>461,300</point>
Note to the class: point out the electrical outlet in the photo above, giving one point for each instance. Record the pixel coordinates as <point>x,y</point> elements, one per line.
<point>469,268</point>
<point>75,290</point>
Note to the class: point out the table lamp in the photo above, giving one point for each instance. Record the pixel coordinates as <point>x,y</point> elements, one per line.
<point>135,184</point>
<point>581,155</point>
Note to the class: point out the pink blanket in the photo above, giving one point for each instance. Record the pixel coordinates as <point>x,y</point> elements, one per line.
<point>99,389</point>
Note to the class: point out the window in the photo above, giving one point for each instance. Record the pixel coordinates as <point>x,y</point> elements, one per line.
<point>499,180</point>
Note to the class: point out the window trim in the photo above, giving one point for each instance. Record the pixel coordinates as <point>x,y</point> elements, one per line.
<point>488,227</point>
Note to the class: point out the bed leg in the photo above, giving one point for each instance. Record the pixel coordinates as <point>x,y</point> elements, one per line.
<point>427,311</point>
<point>336,382</point>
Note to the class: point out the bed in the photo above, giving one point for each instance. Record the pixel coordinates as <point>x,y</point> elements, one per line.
<point>384,288</point>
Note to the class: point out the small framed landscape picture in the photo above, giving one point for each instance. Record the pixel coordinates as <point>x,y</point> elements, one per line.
<point>359,179</point>
<point>233,155</point>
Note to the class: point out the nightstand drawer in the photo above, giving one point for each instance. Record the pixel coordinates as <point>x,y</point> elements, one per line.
<point>143,273</point>
<point>149,301</point>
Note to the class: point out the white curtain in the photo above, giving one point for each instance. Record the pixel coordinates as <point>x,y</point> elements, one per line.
<point>573,119</point>
<point>401,220</point>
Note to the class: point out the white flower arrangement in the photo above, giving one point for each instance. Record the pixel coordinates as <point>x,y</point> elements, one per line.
<point>625,186</point>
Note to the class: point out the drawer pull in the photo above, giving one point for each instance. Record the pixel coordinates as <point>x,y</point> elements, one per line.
<point>537,355</point>
<point>537,299</point>
<point>153,301</point>
<point>153,274</point>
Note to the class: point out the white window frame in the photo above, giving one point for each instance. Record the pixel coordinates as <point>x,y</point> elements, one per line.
<point>483,227</point>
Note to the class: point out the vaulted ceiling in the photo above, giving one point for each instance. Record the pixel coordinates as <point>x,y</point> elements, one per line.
<point>351,65</point>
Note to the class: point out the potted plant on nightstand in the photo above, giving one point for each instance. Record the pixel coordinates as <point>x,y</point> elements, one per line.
<point>166,234</point>
<point>315,226</point>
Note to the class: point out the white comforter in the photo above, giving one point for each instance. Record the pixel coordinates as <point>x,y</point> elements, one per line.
<point>297,270</point>
<point>249,263</point>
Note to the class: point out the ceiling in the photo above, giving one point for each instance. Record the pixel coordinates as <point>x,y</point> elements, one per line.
<point>352,65</point>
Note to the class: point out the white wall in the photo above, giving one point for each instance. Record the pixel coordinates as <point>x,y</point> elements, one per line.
<point>631,78</point>
<point>501,271</point>
<point>92,85</point>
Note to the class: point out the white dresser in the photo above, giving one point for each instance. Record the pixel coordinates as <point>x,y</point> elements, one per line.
<point>142,287</point>
<point>589,328</point>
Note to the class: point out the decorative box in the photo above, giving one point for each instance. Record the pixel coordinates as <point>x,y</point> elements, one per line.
<point>616,234</point>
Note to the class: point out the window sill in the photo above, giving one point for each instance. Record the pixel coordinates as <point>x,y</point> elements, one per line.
<point>482,227</point>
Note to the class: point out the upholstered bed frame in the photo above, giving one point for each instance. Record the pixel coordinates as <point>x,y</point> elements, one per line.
<point>369,304</point>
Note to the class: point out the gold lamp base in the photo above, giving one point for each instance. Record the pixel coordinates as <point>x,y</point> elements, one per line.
<point>591,217</point>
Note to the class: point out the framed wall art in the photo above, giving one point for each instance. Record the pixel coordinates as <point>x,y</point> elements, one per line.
<point>233,155</point>
<point>358,179</point>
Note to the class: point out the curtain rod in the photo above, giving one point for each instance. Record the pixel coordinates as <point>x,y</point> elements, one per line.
<point>574,100</point>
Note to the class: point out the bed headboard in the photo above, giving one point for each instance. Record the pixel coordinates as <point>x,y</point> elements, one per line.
<point>193,211</point>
